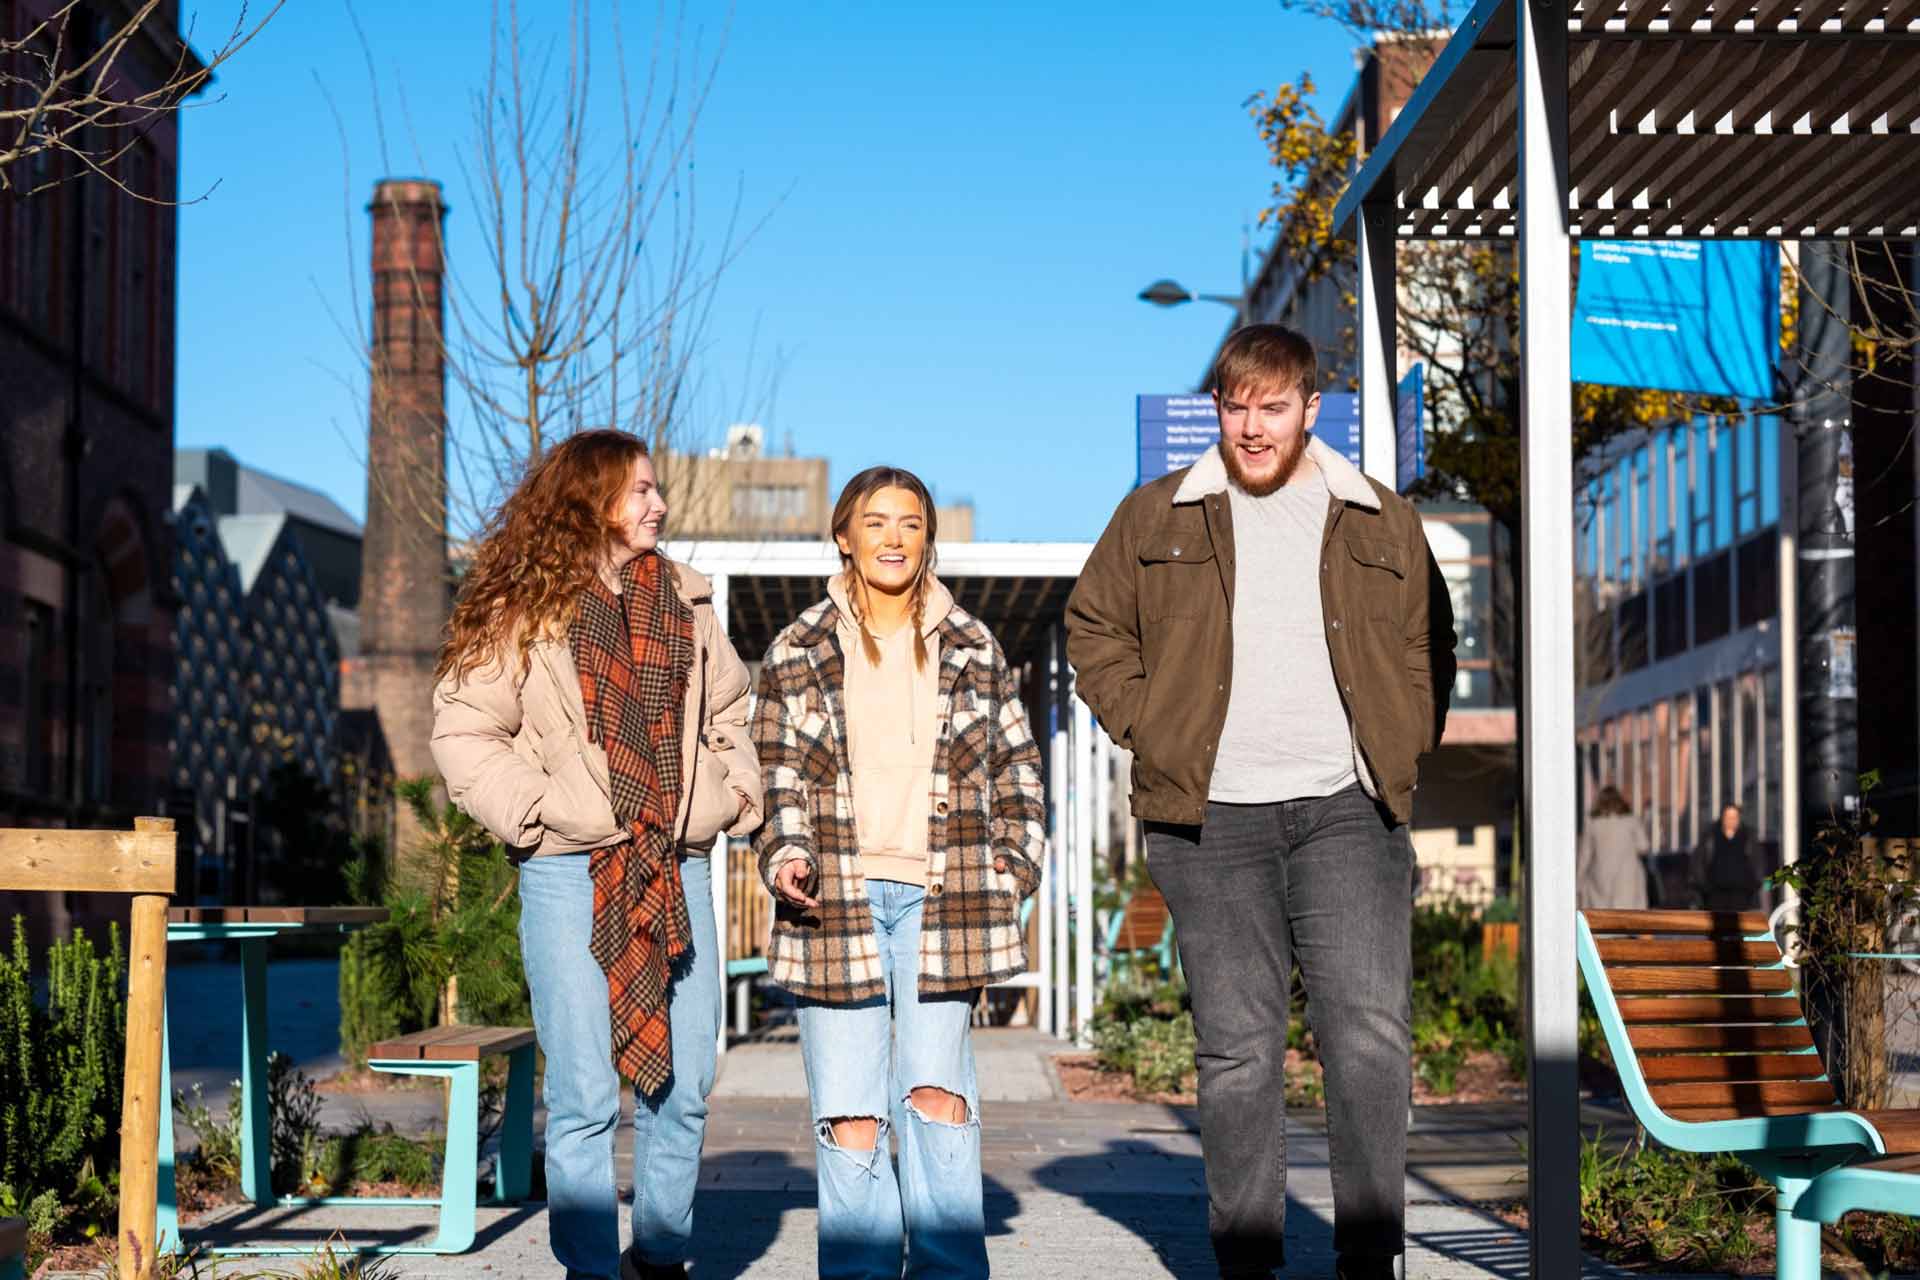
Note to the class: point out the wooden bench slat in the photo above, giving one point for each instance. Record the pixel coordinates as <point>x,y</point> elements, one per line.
<point>1651,1009</point>
<point>1615,951</point>
<point>1707,1068</point>
<point>484,1043</point>
<point>1899,1129</point>
<point>414,1044</point>
<point>1702,922</point>
<point>453,1044</point>
<point>1690,1039</point>
<point>1701,980</point>
<point>1749,1111</point>
<point>1742,1096</point>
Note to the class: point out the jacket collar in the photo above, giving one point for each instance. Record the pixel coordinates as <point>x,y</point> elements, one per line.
<point>958,630</point>
<point>1208,476</point>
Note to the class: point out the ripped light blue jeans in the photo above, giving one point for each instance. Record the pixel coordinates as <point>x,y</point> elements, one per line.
<point>571,1018</point>
<point>863,1060</point>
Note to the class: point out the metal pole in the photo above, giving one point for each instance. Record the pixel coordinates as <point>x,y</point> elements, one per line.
<point>1546,464</point>
<point>1790,646</point>
<point>1083,758</point>
<point>1829,707</point>
<point>1379,363</point>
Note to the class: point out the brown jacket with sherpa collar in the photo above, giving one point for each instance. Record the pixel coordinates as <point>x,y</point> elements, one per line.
<point>1150,632</point>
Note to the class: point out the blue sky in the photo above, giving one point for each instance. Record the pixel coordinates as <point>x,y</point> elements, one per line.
<point>961,203</point>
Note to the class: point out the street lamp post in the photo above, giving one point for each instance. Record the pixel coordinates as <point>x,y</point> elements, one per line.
<point>1170,293</point>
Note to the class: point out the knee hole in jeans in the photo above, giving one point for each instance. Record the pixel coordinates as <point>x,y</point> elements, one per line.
<point>934,1105</point>
<point>852,1133</point>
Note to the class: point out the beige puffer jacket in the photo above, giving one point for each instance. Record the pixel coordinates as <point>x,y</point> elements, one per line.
<point>514,751</point>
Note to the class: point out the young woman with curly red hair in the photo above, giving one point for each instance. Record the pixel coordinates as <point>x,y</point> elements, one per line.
<point>592,714</point>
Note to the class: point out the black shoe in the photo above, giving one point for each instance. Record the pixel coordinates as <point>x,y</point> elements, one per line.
<point>1375,1268</point>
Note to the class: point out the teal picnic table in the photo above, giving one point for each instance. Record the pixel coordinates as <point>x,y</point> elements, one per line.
<point>254,929</point>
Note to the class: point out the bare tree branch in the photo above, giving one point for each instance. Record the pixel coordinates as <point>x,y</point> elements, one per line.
<point>79,88</point>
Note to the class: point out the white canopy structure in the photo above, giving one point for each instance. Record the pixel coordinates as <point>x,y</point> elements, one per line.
<point>1544,120</point>
<point>1019,589</point>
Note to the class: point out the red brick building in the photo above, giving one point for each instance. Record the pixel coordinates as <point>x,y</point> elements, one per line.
<point>87,285</point>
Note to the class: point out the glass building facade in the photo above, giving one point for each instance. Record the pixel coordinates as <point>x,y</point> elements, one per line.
<point>1678,557</point>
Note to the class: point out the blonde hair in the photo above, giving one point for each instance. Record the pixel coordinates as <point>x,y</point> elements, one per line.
<point>1262,356</point>
<point>852,500</point>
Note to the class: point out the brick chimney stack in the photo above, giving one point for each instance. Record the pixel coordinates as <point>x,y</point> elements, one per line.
<point>405,586</point>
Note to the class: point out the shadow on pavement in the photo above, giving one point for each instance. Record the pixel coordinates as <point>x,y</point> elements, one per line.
<point>744,1199</point>
<point>308,1227</point>
<point>1161,1198</point>
<point>1497,1249</point>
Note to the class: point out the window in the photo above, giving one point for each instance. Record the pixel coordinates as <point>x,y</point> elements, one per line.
<point>1633,632</point>
<point>1752,766</point>
<point>1670,617</point>
<point>1677,441</point>
<point>137,315</point>
<point>1725,747</point>
<point>1683,759</point>
<point>1758,571</point>
<point>1700,483</point>
<point>37,691</point>
<point>1703,761</point>
<point>97,690</point>
<point>770,502</point>
<point>1712,599</point>
<point>1746,477</point>
<point>1769,432</point>
<point>1722,480</point>
<point>1768,820</point>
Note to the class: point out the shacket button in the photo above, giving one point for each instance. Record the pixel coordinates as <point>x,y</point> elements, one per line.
<point>1176,551</point>
<point>941,808</point>
<point>1336,624</point>
<point>933,891</point>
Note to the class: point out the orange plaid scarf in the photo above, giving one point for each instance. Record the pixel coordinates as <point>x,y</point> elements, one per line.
<point>634,652</point>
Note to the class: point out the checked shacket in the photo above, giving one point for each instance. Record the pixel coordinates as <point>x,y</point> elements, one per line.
<point>634,652</point>
<point>986,801</point>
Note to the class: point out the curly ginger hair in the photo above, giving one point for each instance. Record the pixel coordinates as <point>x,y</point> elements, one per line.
<point>539,552</point>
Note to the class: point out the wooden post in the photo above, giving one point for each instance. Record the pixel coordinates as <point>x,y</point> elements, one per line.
<point>140,1110</point>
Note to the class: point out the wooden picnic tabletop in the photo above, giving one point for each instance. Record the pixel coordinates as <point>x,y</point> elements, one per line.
<point>277,915</point>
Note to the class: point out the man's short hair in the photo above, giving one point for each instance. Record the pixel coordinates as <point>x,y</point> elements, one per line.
<point>1261,356</point>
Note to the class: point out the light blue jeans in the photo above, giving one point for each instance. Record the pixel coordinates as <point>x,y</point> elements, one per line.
<point>862,1061</point>
<point>583,1089</point>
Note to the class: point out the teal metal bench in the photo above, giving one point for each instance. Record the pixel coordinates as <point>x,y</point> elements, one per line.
<point>13,1249</point>
<point>1142,928</point>
<point>453,1054</point>
<point>1714,1054</point>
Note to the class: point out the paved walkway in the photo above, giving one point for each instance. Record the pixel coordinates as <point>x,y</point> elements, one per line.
<point>1073,1189</point>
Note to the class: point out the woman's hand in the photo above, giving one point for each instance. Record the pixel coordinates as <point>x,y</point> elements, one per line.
<point>789,885</point>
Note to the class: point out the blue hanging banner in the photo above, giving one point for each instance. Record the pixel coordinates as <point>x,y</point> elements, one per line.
<point>1410,431</point>
<point>1174,431</point>
<point>1700,316</point>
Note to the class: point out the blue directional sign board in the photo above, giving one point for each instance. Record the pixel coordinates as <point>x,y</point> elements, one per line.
<point>1174,431</point>
<point>1338,426</point>
<point>1410,432</point>
<point>1680,315</point>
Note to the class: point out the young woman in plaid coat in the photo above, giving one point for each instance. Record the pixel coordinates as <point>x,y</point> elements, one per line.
<point>905,826</point>
<point>592,715</point>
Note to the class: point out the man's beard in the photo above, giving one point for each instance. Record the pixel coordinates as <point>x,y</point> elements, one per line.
<point>1259,487</point>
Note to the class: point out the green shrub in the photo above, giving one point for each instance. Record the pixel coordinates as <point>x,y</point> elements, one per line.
<point>60,1075</point>
<point>370,1155</point>
<point>452,933</point>
<point>1147,1032</point>
<point>1671,1208</point>
<point>293,1110</point>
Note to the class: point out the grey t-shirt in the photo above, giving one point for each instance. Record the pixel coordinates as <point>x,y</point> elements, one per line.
<point>1286,735</point>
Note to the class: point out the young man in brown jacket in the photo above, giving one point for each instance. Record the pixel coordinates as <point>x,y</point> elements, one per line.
<point>1267,633</point>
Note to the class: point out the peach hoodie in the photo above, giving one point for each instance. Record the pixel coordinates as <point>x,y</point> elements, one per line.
<point>892,720</point>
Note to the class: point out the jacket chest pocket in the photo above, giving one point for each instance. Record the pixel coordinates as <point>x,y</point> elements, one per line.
<point>970,737</point>
<point>812,730</point>
<point>1176,573</point>
<point>1378,576</point>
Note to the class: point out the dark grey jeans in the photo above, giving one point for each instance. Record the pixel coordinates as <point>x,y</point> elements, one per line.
<point>1327,883</point>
